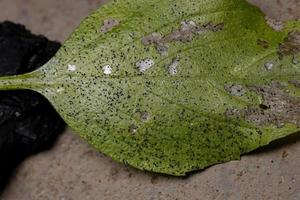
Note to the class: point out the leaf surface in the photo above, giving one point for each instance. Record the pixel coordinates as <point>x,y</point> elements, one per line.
<point>174,86</point>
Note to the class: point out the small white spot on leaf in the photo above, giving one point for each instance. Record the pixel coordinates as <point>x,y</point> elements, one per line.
<point>17,114</point>
<point>107,70</point>
<point>269,66</point>
<point>144,116</point>
<point>59,90</point>
<point>71,68</point>
<point>144,65</point>
<point>173,67</point>
<point>236,90</point>
<point>295,61</point>
<point>108,25</point>
<point>133,129</point>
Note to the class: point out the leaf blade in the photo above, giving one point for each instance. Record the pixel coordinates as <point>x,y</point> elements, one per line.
<point>172,123</point>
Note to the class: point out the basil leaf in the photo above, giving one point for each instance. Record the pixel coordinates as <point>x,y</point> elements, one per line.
<point>173,86</point>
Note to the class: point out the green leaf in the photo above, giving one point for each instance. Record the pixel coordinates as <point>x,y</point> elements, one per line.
<point>173,86</point>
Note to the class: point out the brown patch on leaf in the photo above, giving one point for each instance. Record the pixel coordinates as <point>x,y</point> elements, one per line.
<point>263,43</point>
<point>153,38</point>
<point>296,83</point>
<point>234,113</point>
<point>108,25</point>
<point>236,90</point>
<point>187,31</point>
<point>277,108</point>
<point>156,39</point>
<point>214,27</point>
<point>290,45</point>
<point>145,116</point>
<point>275,24</point>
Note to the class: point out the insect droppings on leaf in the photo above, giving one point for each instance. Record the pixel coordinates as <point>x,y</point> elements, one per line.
<point>144,65</point>
<point>108,25</point>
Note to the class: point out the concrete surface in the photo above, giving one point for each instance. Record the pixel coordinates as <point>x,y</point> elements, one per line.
<point>73,170</point>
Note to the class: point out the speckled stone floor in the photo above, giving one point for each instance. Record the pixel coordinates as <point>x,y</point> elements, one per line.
<point>73,170</point>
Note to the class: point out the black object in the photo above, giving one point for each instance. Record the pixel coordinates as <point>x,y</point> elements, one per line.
<point>28,123</point>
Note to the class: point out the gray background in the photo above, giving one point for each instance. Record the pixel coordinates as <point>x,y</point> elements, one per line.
<point>73,170</point>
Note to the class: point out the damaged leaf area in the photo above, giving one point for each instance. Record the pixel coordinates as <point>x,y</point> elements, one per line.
<point>187,31</point>
<point>108,25</point>
<point>290,45</point>
<point>296,83</point>
<point>173,86</point>
<point>277,25</point>
<point>278,107</point>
